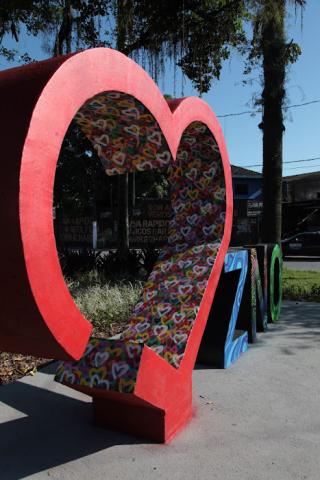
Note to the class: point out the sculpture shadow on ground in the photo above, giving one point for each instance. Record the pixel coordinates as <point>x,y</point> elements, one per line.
<point>299,328</point>
<point>57,429</point>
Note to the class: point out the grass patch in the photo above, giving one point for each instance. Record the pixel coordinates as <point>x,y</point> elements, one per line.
<point>106,304</point>
<point>301,285</point>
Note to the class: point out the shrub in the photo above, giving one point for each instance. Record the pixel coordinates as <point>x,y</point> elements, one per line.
<point>107,306</point>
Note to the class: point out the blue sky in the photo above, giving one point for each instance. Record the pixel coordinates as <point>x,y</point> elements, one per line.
<point>228,95</point>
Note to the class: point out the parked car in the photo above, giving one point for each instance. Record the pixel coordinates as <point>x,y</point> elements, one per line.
<point>304,243</point>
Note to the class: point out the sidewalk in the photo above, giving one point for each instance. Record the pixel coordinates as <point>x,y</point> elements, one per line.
<point>258,420</point>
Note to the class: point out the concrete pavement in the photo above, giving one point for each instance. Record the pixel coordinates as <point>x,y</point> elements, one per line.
<point>260,419</point>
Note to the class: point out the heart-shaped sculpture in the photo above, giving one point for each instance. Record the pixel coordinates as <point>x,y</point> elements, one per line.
<point>132,127</point>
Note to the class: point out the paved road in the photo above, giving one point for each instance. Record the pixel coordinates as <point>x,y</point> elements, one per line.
<point>258,420</point>
<point>302,263</point>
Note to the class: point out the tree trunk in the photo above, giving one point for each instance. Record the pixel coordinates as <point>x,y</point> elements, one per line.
<point>123,185</point>
<point>274,68</point>
<point>123,216</point>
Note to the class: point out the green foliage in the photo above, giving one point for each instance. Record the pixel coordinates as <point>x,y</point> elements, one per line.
<point>69,24</point>
<point>301,285</point>
<point>152,184</point>
<point>197,35</point>
<point>107,306</point>
<point>107,266</point>
<point>263,13</point>
<point>77,262</point>
<point>104,289</point>
<point>80,181</point>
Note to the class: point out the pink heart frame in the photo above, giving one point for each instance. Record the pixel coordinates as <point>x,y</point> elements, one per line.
<point>38,315</point>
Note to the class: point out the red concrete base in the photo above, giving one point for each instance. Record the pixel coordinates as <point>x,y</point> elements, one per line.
<point>141,419</point>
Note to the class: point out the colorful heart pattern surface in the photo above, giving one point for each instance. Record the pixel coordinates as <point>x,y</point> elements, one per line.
<point>127,137</point>
<point>123,133</point>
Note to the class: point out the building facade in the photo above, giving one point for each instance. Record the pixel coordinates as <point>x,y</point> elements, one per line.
<point>247,196</point>
<point>301,203</point>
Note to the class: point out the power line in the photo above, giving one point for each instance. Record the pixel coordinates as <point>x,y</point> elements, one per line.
<point>290,161</point>
<point>309,166</point>
<point>302,104</point>
<point>250,112</point>
<point>296,168</point>
<point>239,113</point>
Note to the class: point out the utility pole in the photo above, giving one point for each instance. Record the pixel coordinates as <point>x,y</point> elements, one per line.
<point>123,180</point>
<point>274,70</point>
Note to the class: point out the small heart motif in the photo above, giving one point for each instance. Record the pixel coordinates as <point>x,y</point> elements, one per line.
<point>170,283</point>
<point>193,219</point>
<point>163,158</point>
<point>192,174</point>
<point>143,165</point>
<point>196,163</point>
<point>114,352</point>
<point>164,309</point>
<point>202,285</point>
<point>113,171</point>
<point>133,349</point>
<point>160,330</point>
<point>185,263</point>
<point>182,155</point>
<point>190,140</point>
<point>96,104</point>
<point>126,386</point>
<point>97,382</point>
<point>178,318</point>
<point>100,358</point>
<point>210,173</point>
<point>147,118</point>
<point>208,230</point>
<point>90,346</point>
<point>186,231</point>
<point>158,349</point>
<point>112,112</point>
<point>150,152</point>
<point>126,103</point>
<point>155,138</point>
<point>148,295</point>
<point>64,375</point>
<point>193,194</point>
<point>131,113</point>
<point>143,337</point>
<point>199,270</point>
<point>133,130</point>
<point>165,266</point>
<point>197,249</point>
<point>173,237</point>
<point>119,369</point>
<point>100,123</point>
<point>102,140</point>
<point>142,327</point>
<point>181,247</point>
<point>185,289</point>
<point>178,206</point>
<point>180,338</point>
<point>119,158</point>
